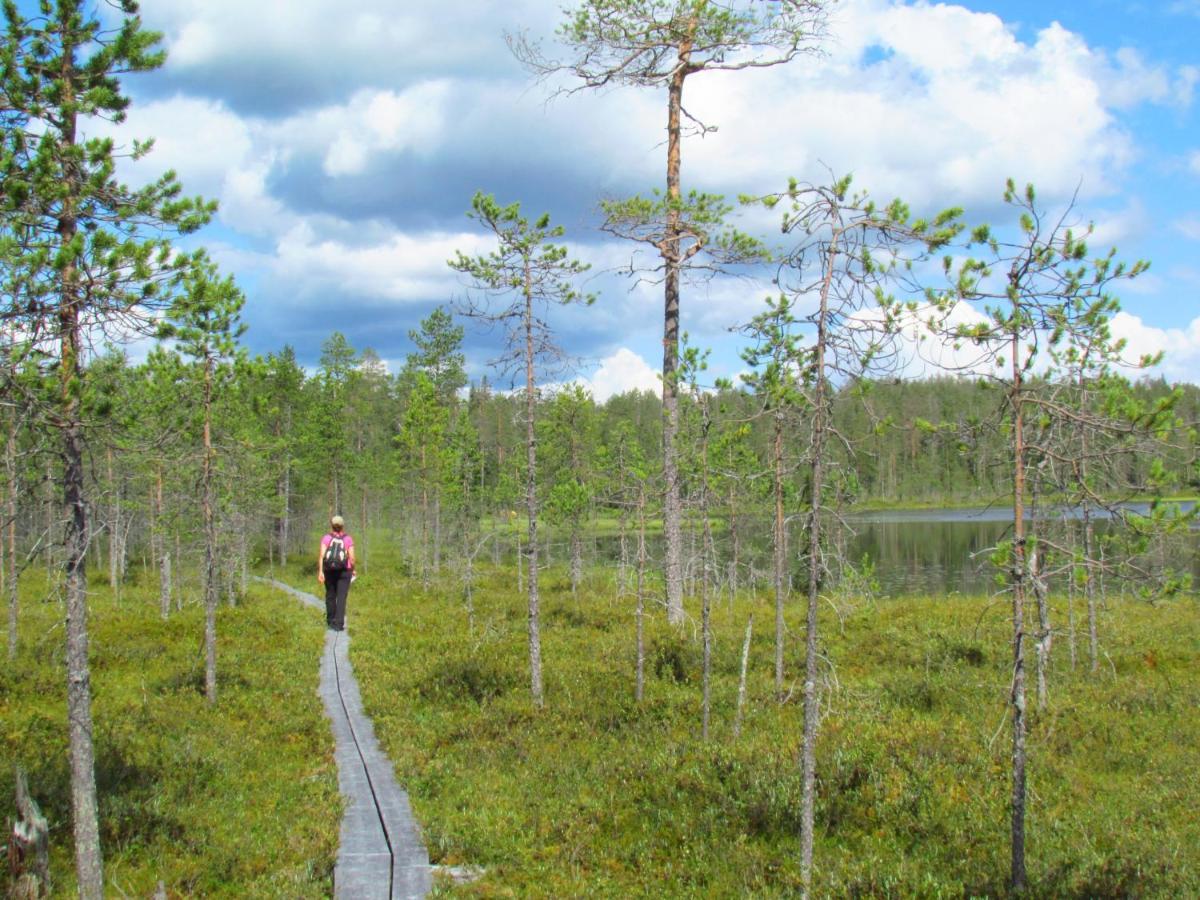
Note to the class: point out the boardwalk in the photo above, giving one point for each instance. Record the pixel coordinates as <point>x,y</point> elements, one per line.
<point>380,852</point>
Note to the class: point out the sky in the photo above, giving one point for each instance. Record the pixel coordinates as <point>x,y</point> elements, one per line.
<point>344,142</point>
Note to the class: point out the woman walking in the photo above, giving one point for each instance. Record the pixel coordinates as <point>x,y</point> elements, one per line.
<point>335,570</point>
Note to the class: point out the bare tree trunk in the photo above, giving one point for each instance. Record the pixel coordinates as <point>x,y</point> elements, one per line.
<point>623,544</point>
<point>11,582</point>
<point>211,597</point>
<point>1045,636</point>
<point>1089,587</point>
<point>780,550</point>
<point>114,523</point>
<point>705,594</point>
<point>178,577</point>
<point>243,555</point>
<point>164,586</point>
<point>706,630</point>
<point>576,559</point>
<point>425,550</point>
<point>535,637</point>
<point>1018,876</point>
<point>285,519</point>
<point>79,691</point>
<point>641,595</point>
<point>437,531</point>
<point>520,566</point>
<point>361,548</point>
<point>821,422</point>
<point>1071,618</point>
<point>51,520</point>
<point>735,540</point>
<point>741,696</point>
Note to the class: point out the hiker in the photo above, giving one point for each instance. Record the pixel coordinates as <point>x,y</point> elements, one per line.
<point>335,570</point>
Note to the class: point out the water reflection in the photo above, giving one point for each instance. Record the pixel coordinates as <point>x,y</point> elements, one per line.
<point>923,551</point>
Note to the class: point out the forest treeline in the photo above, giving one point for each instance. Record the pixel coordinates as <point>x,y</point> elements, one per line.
<point>423,451</point>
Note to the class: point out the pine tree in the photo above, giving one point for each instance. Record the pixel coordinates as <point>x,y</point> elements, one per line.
<point>93,254</point>
<point>205,319</point>
<point>660,44</point>
<point>526,273</point>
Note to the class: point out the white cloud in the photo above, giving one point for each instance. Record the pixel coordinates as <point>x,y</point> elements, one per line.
<point>620,372</point>
<point>1180,346</point>
<point>929,101</point>
<point>946,103</point>
<point>200,139</point>
<point>375,121</point>
<point>398,267</point>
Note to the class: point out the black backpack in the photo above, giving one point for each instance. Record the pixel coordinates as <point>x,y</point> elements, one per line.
<point>335,554</point>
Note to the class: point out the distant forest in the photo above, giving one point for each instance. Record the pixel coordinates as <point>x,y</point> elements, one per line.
<point>424,451</point>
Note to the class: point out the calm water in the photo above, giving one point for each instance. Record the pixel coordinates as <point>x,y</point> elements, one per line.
<point>936,551</point>
<point>945,550</point>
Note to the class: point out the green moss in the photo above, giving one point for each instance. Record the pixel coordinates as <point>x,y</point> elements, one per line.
<point>597,795</point>
<point>234,800</point>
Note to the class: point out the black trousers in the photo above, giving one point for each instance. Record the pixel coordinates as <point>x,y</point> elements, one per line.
<point>337,586</point>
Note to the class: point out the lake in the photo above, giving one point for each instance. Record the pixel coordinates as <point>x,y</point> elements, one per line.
<point>925,551</point>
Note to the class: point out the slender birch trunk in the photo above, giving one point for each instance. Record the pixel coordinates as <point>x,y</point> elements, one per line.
<point>741,695</point>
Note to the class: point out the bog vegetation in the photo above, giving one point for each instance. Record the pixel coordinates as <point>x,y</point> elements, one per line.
<point>740,714</point>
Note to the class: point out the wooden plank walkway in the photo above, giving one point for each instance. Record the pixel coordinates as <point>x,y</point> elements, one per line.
<point>380,853</point>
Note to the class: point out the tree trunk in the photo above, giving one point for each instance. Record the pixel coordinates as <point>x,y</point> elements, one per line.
<point>672,258</point>
<point>1045,635</point>
<point>210,543</point>
<point>1071,636</point>
<point>88,861</point>
<point>13,574</point>
<point>735,541</point>
<point>437,531</point>
<point>285,519</point>
<point>51,520</point>
<point>741,695</point>
<point>576,559</point>
<point>1018,876</point>
<point>360,550</point>
<point>780,548</point>
<point>641,595</point>
<point>1089,587</point>
<point>535,638</point>
<point>623,543</point>
<point>820,423</point>
<point>164,586</point>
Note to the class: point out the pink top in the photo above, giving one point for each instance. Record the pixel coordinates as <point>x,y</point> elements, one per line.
<point>346,539</point>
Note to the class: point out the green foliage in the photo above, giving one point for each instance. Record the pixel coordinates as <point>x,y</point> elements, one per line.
<point>228,801</point>
<point>596,794</point>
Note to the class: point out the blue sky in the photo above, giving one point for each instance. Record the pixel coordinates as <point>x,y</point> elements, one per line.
<point>344,143</point>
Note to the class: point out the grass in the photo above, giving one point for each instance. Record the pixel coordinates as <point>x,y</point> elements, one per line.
<point>234,800</point>
<point>597,795</point>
